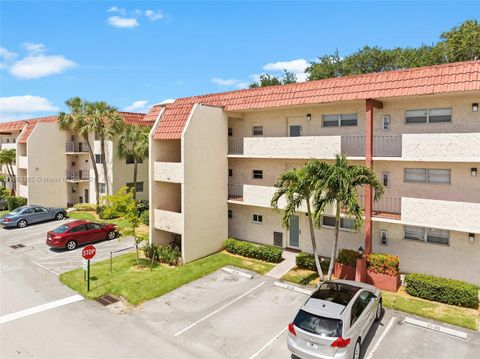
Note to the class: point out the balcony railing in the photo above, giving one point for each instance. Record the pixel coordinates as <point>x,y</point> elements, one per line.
<point>383,146</point>
<point>81,175</point>
<point>389,205</point>
<point>76,147</point>
<point>235,146</point>
<point>235,191</point>
<point>8,146</point>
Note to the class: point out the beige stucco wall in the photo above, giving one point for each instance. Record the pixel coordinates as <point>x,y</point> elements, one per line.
<point>47,166</point>
<point>168,172</point>
<point>168,221</point>
<point>204,192</point>
<point>22,162</point>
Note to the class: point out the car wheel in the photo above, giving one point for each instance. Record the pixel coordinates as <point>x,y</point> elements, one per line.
<point>378,313</point>
<point>356,351</point>
<point>22,223</point>
<point>71,245</point>
<point>59,216</point>
<point>111,235</point>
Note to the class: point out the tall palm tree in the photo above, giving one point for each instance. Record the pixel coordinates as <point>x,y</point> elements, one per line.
<point>134,143</point>
<point>298,187</point>
<point>339,188</point>
<point>7,159</point>
<point>77,120</point>
<point>106,123</point>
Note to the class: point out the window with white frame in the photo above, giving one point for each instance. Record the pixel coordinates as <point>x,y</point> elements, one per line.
<point>428,175</point>
<point>101,187</point>
<point>345,223</point>
<point>347,119</point>
<point>386,179</point>
<point>230,132</point>
<point>257,174</point>
<point>427,235</point>
<point>432,115</point>
<point>138,187</point>
<point>257,130</point>
<point>257,218</point>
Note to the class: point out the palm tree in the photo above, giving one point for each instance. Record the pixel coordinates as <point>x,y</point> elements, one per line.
<point>298,187</point>
<point>77,120</point>
<point>105,121</point>
<point>7,159</point>
<point>339,188</point>
<point>134,143</point>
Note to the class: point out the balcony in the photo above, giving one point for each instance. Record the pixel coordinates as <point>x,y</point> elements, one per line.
<point>76,147</point>
<point>449,215</point>
<point>8,146</point>
<point>385,207</point>
<point>23,190</point>
<point>168,172</point>
<point>23,162</point>
<point>383,146</point>
<point>168,221</point>
<point>77,176</point>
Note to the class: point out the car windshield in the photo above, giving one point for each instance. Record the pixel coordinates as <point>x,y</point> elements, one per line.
<point>61,229</point>
<point>327,327</point>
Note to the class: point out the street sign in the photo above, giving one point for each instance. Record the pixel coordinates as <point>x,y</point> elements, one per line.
<point>89,252</point>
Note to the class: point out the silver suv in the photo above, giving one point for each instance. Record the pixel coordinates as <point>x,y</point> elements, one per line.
<point>335,320</point>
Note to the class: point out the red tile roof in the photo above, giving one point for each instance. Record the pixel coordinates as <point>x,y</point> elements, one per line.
<point>11,126</point>
<point>455,77</point>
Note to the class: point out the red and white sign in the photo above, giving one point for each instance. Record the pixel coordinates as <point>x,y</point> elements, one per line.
<point>89,252</point>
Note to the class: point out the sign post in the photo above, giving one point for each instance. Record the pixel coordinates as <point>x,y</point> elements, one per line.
<point>88,253</point>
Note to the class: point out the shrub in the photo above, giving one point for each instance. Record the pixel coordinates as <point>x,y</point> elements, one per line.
<point>145,218</point>
<point>383,263</point>
<point>116,205</point>
<point>307,261</point>
<point>257,251</point>
<point>443,290</point>
<point>347,257</point>
<point>15,202</point>
<point>85,207</point>
<point>163,254</point>
<point>142,206</point>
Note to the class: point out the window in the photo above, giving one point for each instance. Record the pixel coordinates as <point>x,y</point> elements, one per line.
<point>328,221</point>
<point>93,226</point>
<point>230,132</point>
<point>40,210</point>
<point>432,115</point>
<point>257,130</point>
<point>230,172</point>
<point>385,179</point>
<point>230,213</point>
<point>98,159</point>
<point>139,187</point>
<point>345,223</point>
<point>339,120</point>
<point>427,175</point>
<point>427,235</point>
<point>101,187</point>
<point>80,228</point>
<point>129,159</point>
<point>384,237</point>
<point>257,218</point>
<point>74,163</point>
<point>278,239</point>
<point>257,174</point>
<point>324,326</point>
<point>386,122</point>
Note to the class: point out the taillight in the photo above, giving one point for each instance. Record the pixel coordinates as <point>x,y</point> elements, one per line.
<point>340,342</point>
<point>7,219</point>
<point>291,329</point>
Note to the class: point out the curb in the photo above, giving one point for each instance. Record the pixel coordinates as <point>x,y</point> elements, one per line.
<point>437,328</point>
<point>292,287</point>
<point>237,272</point>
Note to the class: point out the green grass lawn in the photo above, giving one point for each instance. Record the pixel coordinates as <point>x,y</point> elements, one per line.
<point>92,216</point>
<point>301,276</point>
<point>139,284</point>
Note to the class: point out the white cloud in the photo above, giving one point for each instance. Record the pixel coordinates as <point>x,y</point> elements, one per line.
<point>122,22</point>
<point>154,15</point>
<point>117,9</point>
<point>17,107</point>
<point>6,57</point>
<point>140,106</point>
<point>225,82</point>
<point>36,66</point>
<point>167,100</point>
<point>34,48</point>
<point>295,66</point>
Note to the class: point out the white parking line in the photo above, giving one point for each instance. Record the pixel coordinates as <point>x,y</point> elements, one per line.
<point>48,269</point>
<point>268,344</point>
<point>377,344</point>
<point>437,328</point>
<point>218,310</point>
<point>39,308</point>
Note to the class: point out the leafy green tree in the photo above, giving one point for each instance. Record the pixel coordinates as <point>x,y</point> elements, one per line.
<point>270,80</point>
<point>132,217</point>
<point>8,159</point>
<point>461,43</point>
<point>298,187</point>
<point>134,143</point>
<point>338,187</point>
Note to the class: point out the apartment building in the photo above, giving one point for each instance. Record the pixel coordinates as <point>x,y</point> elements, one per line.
<point>214,160</point>
<point>54,167</point>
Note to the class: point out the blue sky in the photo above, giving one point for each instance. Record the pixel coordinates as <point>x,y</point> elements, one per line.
<point>133,54</point>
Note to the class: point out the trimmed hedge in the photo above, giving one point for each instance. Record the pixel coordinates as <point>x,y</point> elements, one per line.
<point>307,261</point>
<point>348,257</point>
<point>257,251</point>
<point>85,207</point>
<point>164,254</point>
<point>443,290</point>
<point>383,263</point>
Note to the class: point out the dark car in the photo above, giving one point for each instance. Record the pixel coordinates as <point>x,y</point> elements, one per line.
<point>23,216</point>
<point>75,233</point>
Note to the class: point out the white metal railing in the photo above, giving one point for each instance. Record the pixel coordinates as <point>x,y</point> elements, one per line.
<point>383,146</point>
<point>81,175</point>
<point>385,204</point>
<point>235,146</point>
<point>76,147</point>
<point>8,146</point>
<point>235,191</point>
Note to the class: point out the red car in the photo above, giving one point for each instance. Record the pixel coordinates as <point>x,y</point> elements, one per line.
<point>75,233</point>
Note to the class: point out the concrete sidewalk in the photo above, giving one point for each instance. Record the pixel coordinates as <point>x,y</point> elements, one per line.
<point>285,266</point>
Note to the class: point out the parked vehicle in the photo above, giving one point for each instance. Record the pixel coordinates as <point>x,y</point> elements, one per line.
<point>335,320</point>
<point>75,233</point>
<point>23,216</point>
